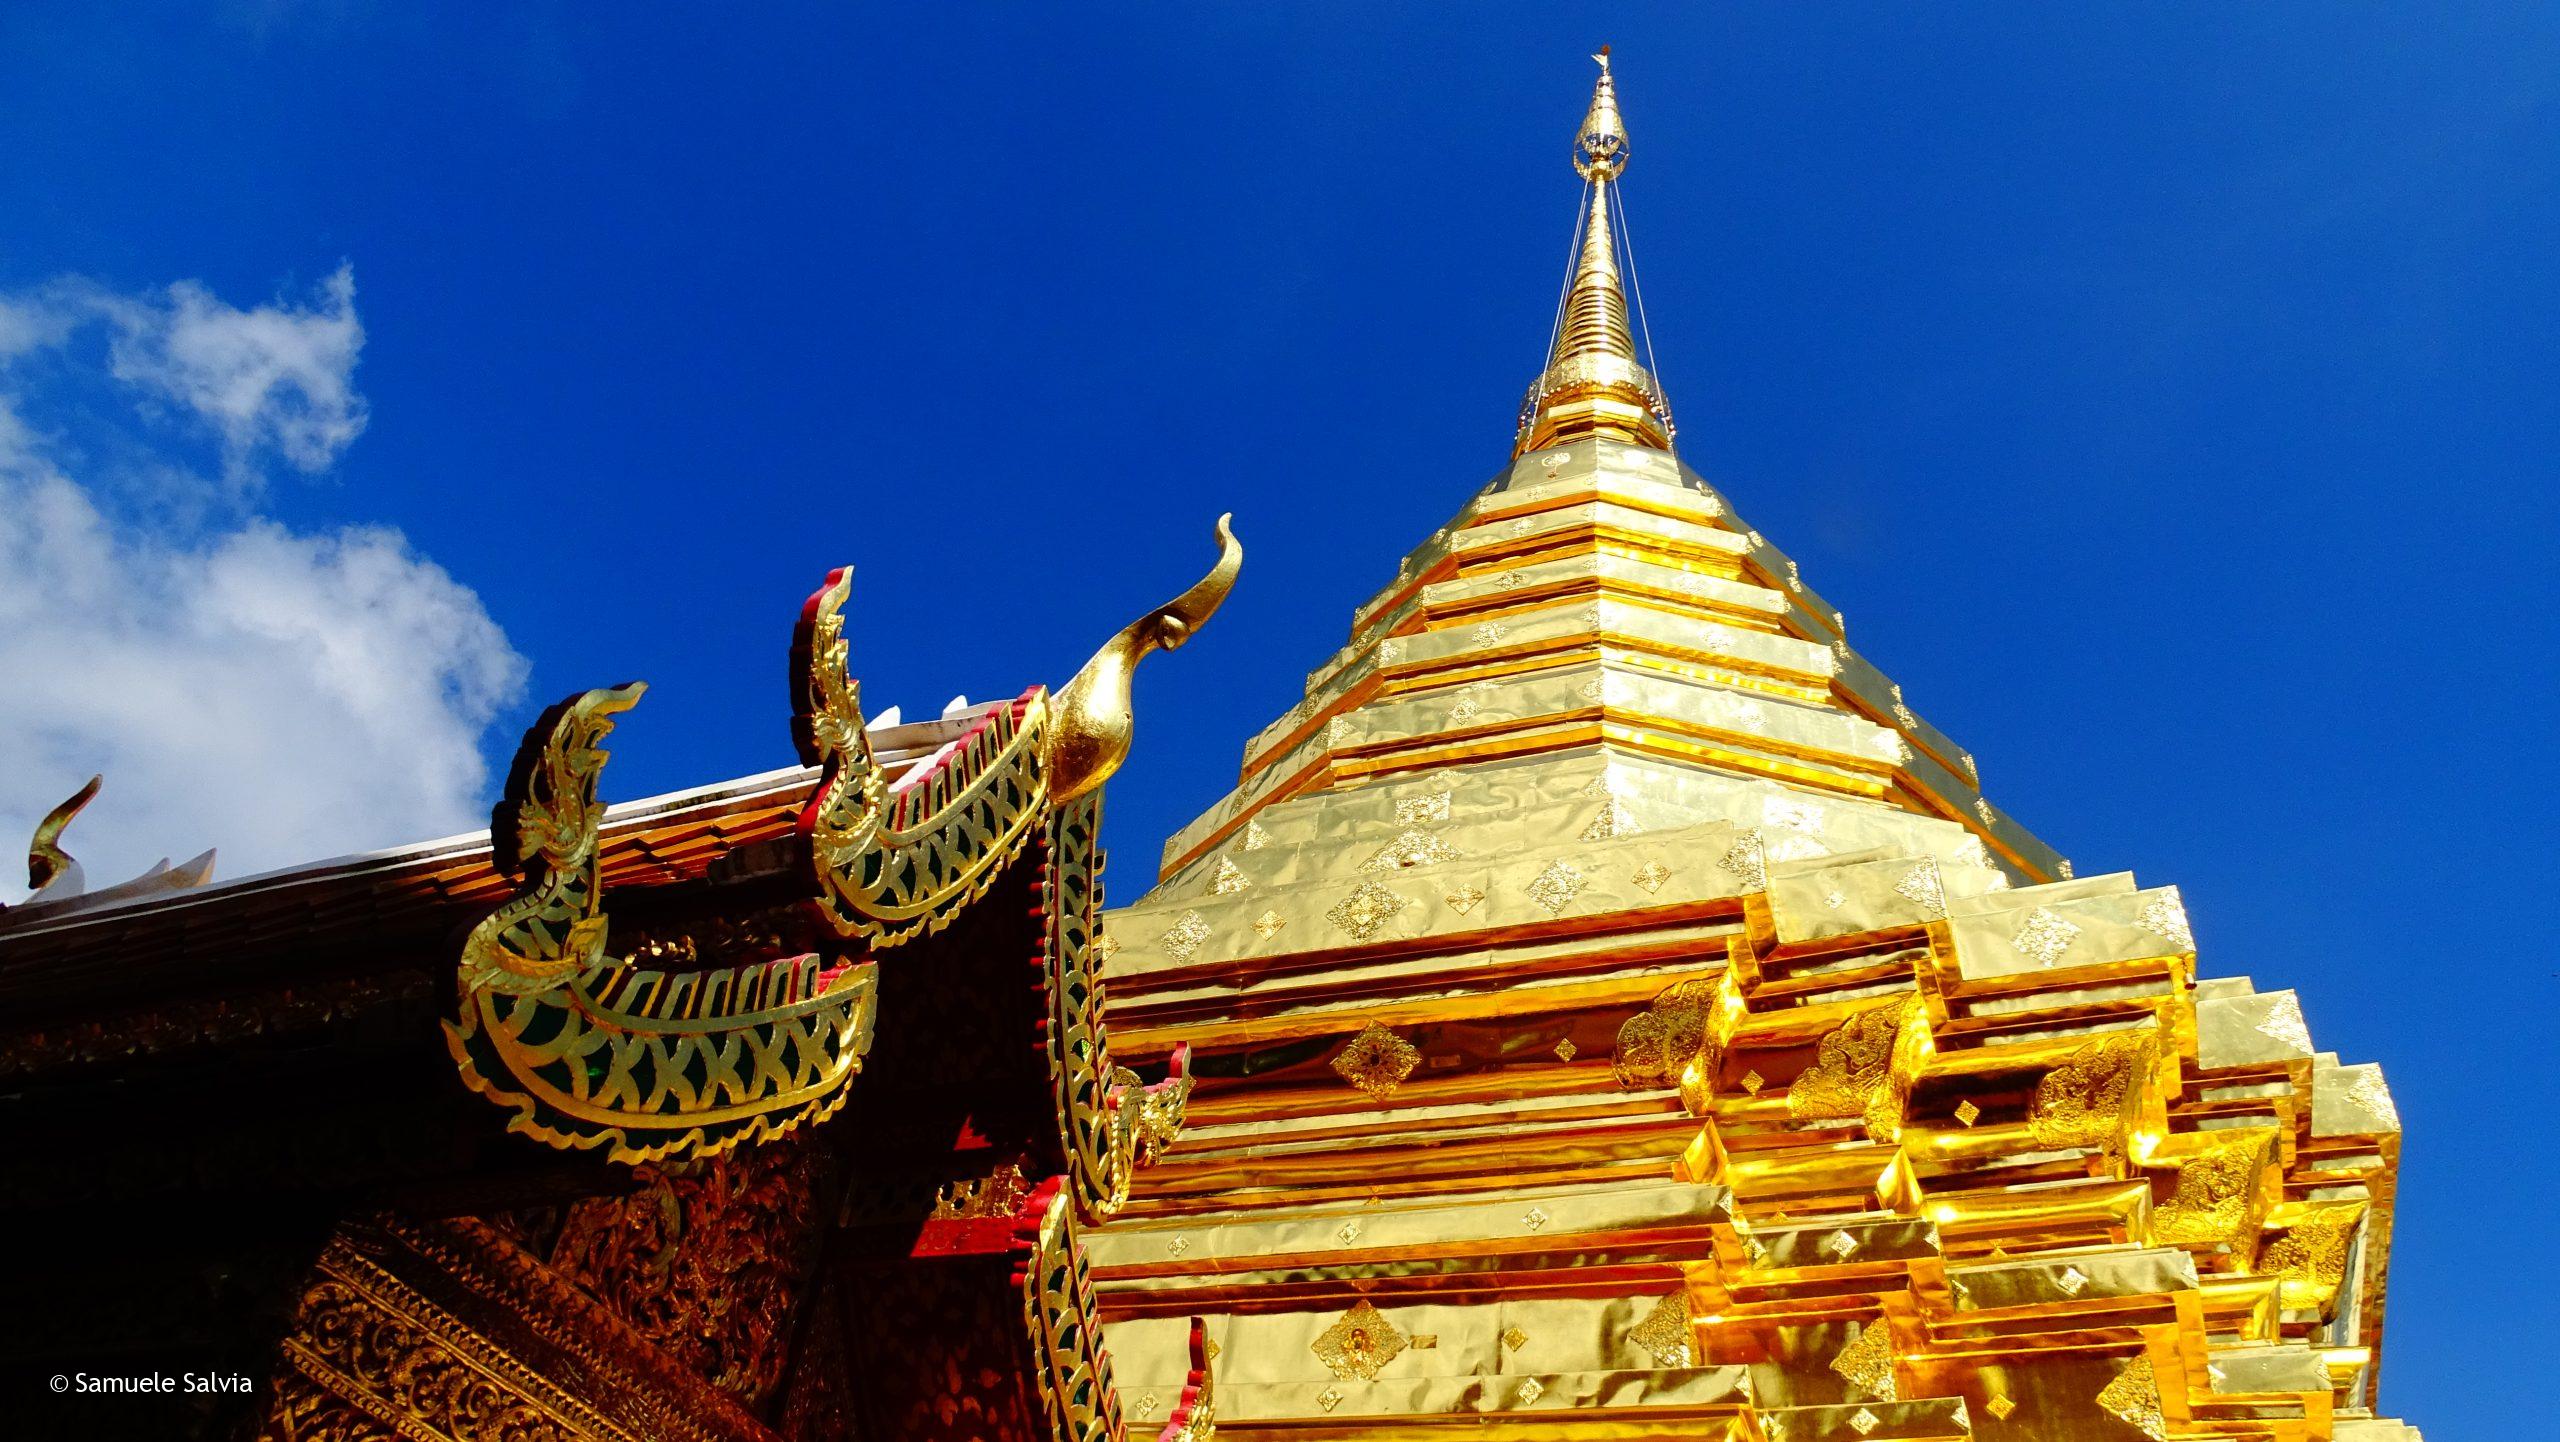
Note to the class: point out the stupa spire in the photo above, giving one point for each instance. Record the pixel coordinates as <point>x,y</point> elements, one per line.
<point>1593,384</point>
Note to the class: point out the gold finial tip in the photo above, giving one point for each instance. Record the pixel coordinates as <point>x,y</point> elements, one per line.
<point>1600,148</point>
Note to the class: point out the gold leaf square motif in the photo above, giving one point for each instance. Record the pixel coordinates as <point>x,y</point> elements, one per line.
<point>1255,838</point>
<point>2167,920</point>
<point>2044,938</point>
<point>1556,887</point>
<point>1377,1061</point>
<point>1464,899</point>
<point>1752,1082</point>
<point>1228,879</point>
<point>1865,1421</point>
<point>1366,910</point>
<point>2000,1407</point>
<point>1185,935</point>
<point>1514,1339</point>
<point>1424,809</point>
<point>1565,1049</point>
<point>1268,924</point>
<point>1650,876</point>
<point>1664,1332</point>
<point>1329,1398</point>
<point>1413,848</point>
<point>1967,1112</point>
<point>1360,1342</point>
<point>1744,861</point>
<point>1922,888</point>
<point>1531,1391</point>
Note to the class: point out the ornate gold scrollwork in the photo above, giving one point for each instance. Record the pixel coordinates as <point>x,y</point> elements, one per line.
<point>590,1051</point>
<point>1069,1364</point>
<point>1110,1122</point>
<point>893,866</point>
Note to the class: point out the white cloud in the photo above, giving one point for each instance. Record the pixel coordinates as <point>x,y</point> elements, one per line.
<point>279,376</point>
<point>284,696</point>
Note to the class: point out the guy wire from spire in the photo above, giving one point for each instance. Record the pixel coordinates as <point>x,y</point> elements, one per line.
<point>1635,282</point>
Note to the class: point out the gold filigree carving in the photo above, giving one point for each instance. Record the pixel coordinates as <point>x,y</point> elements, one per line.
<point>2221,1192</point>
<point>1110,1122</point>
<point>1867,1362</point>
<point>2134,1398</point>
<point>894,866</point>
<point>2086,1101</point>
<point>999,1193</point>
<point>1862,1068</point>
<point>2311,1253</point>
<point>591,1052</point>
<point>1359,1343</point>
<point>1671,1043</point>
<point>708,1261</point>
<point>1664,1332</point>
<point>1377,1061</point>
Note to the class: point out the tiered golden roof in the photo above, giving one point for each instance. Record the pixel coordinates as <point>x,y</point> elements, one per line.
<point>1616,1012</point>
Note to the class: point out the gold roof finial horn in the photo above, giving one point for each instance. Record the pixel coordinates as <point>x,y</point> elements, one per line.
<point>1593,384</point>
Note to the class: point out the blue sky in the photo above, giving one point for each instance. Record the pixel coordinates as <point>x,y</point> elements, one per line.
<point>2165,392</point>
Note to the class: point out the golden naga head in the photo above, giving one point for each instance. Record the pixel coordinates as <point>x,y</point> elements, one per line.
<point>1090,721</point>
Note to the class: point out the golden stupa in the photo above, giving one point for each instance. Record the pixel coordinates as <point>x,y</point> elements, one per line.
<point>1615,1013</point>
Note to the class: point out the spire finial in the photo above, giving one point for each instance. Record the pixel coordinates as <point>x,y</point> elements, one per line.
<point>1592,384</point>
<point>1600,151</point>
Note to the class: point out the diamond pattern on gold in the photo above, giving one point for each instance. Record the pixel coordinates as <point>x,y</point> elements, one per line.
<point>1178,1245</point>
<point>1255,838</point>
<point>1514,1339</point>
<point>1835,899</point>
<point>2134,1397</point>
<point>1922,888</point>
<point>1565,1049</point>
<point>1593,690</point>
<point>1228,879</point>
<point>1329,1398</point>
<point>1840,1245</point>
<point>1612,821</point>
<point>1535,1218</point>
<point>2167,920</point>
<point>1145,1404</point>
<point>1348,1232</point>
<point>1556,887</point>
<point>1377,1061</point>
<point>1982,809</point>
<point>1185,935</point>
<point>1507,581</point>
<point>1967,1112</point>
<point>1664,1332</point>
<point>1464,899</point>
<point>1491,632</point>
<point>1531,1391</point>
<point>2072,1281</point>
<point>2000,1406</point>
<point>1425,1341</point>
<point>1366,910</point>
<point>1867,1362</point>
<point>1650,876</point>
<point>1423,809</point>
<point>2044,938</point>
<point>1752,1082</point>
<point>1413,848</point>
<point>1743,861</point>
<point>1268,924</point>
<point>1865,1421</point>
<point>1106,947</point>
